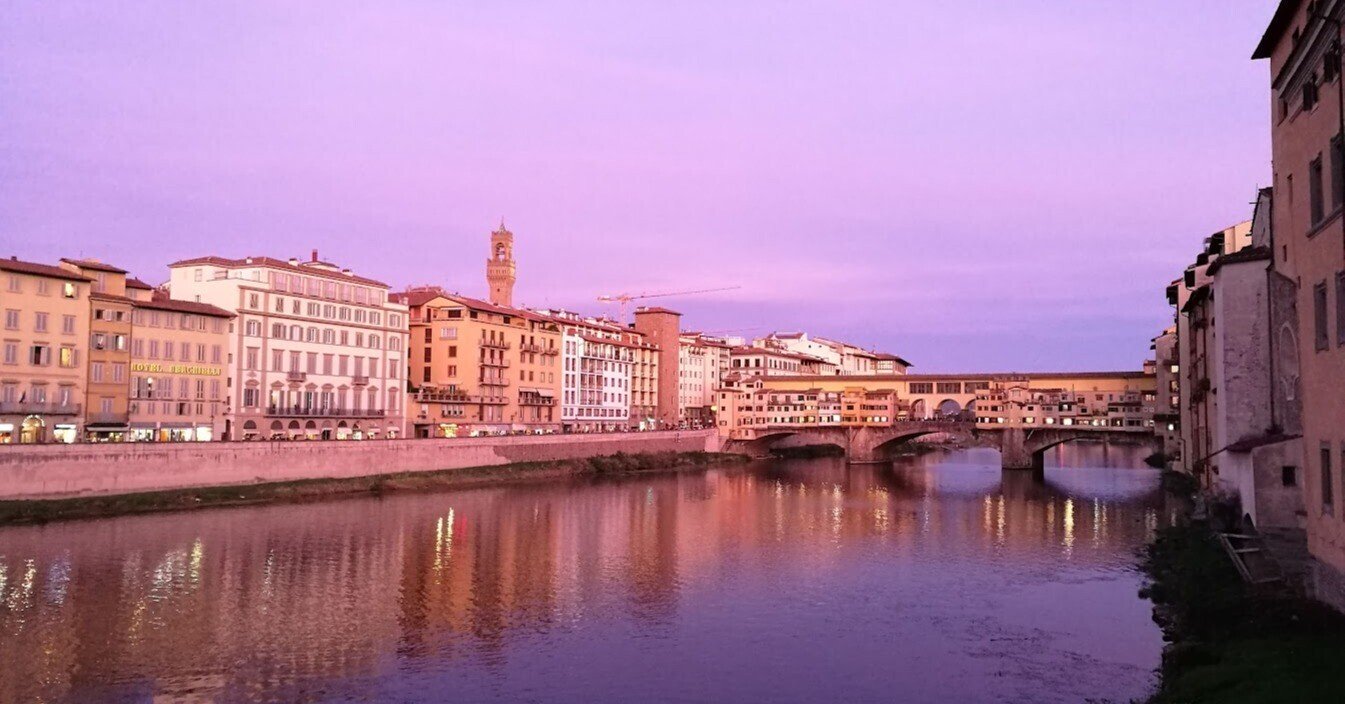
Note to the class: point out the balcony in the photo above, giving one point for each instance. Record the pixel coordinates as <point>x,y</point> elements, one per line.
<point>440,396</point>
<point>495,344</point>
<point>500,364</point>
<point>296,376</point>
<point>50,408</point>
<point>495,381</point>
<point>536,401</point>
<point>106,418</point>
<point>360,380</point>
<point>303,412</point>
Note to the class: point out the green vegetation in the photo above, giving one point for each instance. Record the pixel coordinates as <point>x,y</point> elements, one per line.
<point>13,512</point>
<point>1232,644</point>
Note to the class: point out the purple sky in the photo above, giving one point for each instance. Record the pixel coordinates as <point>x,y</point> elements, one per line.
<point>973,185</point>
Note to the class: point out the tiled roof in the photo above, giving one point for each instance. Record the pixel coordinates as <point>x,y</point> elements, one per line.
<point>95,265</point>
<point>278,264</point>
<point>15,265</point>
<point>655,309</point>
<point>163,302</point>
<point>137,283</point>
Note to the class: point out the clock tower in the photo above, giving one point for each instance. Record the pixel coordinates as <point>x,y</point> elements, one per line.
<point>500,267</point>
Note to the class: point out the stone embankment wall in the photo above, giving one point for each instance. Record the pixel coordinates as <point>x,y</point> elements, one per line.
<point>62,471</point>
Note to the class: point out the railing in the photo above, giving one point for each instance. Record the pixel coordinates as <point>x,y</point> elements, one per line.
<point>47,407</point>
<point>331,412</point>
<point>501,381</point>
<point>296,376</point>
<point>531,347</point>
<point>360,380</point>
<point>497,344</point>
<point>503,363</point>
<point>536,401</point>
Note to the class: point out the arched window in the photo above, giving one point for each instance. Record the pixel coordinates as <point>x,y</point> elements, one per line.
<point>278,331</point>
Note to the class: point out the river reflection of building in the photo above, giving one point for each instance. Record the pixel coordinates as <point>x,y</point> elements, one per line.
<point>268,600</point>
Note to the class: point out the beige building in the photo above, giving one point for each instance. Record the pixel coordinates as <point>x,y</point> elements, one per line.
<point>178,369</point>
<point>1303,44</point>
<point>42,370</point>
<point>701,365</point>
<point>315,352</point>
<point>599,373</point>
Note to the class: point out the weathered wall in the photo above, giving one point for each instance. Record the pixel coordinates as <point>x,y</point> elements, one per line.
<point>55,471</point>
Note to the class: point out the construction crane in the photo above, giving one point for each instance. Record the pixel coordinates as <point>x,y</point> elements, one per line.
<point>624,299</point>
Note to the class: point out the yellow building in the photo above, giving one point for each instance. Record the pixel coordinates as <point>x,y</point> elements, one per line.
<point>479,368</point>
<point>178,369</point>
<point>106,395</point>
<point>42,373</point>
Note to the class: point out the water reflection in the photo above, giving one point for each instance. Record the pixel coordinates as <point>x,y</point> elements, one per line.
<point>791,581</point>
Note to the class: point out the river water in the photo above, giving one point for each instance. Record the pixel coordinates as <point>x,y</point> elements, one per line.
<point>932,579</point>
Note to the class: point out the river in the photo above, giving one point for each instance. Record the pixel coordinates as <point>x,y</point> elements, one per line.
<point>937,578</point>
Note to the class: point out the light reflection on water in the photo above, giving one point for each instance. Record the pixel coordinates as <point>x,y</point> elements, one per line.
<point>937,578</point>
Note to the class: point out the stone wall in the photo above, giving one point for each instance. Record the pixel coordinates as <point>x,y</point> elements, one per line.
<point>58,471</point>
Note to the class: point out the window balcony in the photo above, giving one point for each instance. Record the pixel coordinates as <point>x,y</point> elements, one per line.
<point>306,412</point>
<point>296,376</point>
<point>500,364</point>
<point>360,379</point>
<point>496,344</point>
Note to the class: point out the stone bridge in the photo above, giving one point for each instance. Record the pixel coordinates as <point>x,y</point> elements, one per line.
<point>1019,448</point>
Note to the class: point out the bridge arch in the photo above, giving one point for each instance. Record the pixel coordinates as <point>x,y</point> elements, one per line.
<point>949,407</point>
<point>918,408</point>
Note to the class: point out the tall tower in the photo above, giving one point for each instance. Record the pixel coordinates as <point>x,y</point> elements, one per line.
<point>500,267</point>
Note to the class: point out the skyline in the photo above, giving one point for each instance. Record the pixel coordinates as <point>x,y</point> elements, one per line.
<point>740,157</point>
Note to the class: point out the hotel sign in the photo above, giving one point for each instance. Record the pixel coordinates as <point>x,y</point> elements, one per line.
<point>174,369</point>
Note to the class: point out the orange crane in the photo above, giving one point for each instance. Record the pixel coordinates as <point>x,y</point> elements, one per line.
<point>623,299</point>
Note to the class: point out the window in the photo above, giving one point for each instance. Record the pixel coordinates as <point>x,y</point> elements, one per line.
<point>40,322</point>
<point>1328,493</point>
<point>1337,173</point>
<point>1320,336</point>
<point>11,319</point>
<point>1289,476</point>
<point>69,290</point>
<point>1340,308</point>
<point>1316,205</point>
<point>1310,93</point>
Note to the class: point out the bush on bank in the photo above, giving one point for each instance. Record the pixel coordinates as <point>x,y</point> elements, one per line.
<point>1230,643</point>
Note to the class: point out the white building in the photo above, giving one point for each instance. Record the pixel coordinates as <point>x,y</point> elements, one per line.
<point>702,363</point>
<point>316,352</point>
<point>596,361</point>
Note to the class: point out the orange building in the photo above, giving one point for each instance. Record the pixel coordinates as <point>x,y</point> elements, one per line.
<point>1303,45</point>
<point>479,368</point>
<point>106,395</point>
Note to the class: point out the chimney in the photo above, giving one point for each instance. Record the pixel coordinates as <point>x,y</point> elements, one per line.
<point>346,272</point>
<point>294,261</point>
<point>315,255</point>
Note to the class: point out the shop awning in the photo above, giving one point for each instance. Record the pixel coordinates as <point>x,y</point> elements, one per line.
<point>106,427</point>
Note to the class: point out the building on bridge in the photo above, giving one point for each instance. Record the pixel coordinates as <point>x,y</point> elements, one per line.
<point>751,405</point>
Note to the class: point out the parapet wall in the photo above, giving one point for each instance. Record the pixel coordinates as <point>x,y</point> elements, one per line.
<point>60,471</point>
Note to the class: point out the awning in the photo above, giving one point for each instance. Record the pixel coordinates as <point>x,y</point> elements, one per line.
<point>106,427</point>
<point>546,393</point>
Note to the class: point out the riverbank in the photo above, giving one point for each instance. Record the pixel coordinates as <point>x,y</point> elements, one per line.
<point>619,464</point>
<point>1228,642</point>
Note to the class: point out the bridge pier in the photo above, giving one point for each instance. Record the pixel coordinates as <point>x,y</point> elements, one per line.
<point>1015,454</point>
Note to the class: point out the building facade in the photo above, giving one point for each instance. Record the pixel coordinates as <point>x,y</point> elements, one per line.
<point>1303,45</point>
<point>178,371</point>
<point>702,362</point>
<point>662,329</point>
<point>42,371</point>
<point>479,368</point>
<point>314,352</point>
<point>106,394</point>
